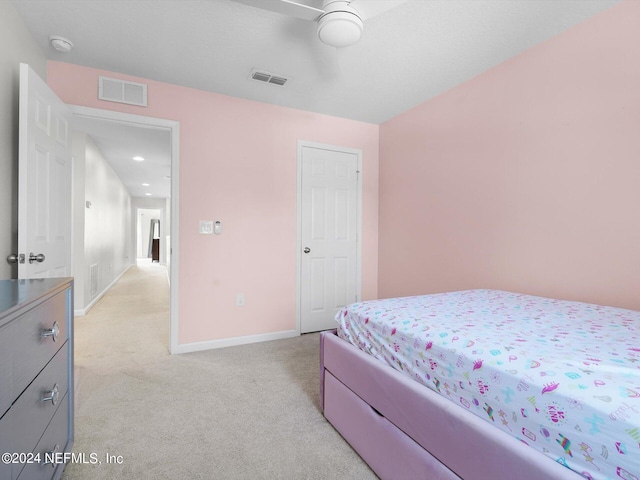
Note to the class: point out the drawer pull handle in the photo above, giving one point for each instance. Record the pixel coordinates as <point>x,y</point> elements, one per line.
<point>52,332</point>
<point>52,395</point>
<point>50,457</point>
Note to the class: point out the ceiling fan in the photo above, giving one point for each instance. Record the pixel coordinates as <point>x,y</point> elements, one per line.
<point>340,22</point>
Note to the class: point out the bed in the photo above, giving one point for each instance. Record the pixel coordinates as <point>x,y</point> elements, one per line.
<point>486,384</point>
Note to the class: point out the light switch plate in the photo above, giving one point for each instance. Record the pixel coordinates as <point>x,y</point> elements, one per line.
<point>206,227</point>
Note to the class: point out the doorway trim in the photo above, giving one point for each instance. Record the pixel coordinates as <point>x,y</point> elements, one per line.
<point>301,145</point>
<point>174,129</point>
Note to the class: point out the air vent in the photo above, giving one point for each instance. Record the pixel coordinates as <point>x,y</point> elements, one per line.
<point>115,90</point>
<point>266,77</point>
<point>93,280</point>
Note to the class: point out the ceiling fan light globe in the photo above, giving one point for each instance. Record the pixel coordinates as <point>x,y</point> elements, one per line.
<point>340,29</point>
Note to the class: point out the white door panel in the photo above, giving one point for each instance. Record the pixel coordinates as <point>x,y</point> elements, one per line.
<point>45,169</point>
<point>329,197</point>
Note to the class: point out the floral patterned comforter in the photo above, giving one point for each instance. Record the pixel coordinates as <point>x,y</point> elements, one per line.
<point>563,377</point>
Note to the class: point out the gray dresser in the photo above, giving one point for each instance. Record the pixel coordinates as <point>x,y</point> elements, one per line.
<point>36,377</point>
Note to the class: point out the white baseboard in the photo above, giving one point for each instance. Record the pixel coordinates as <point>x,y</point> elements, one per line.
<point>83,311</point>
<point>234,341</point>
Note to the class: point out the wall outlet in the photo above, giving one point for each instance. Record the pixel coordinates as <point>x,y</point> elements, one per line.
<point>240,300</point>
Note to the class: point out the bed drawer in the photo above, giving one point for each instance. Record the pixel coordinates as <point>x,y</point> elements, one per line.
<point>28,343</point>
<point>387,450</point>
<point>434,422</point>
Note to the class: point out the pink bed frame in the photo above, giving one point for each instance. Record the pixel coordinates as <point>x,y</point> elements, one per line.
<point>404,430</point>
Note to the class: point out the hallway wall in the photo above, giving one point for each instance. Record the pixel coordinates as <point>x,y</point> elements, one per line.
<point>103,245</point>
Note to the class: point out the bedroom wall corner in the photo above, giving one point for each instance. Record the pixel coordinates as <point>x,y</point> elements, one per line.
<point>525,177</point>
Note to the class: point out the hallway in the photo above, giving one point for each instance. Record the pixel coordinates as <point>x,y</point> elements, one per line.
<point>130,324</point>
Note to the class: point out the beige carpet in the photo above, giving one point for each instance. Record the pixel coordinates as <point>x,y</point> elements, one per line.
<point>233,413</point>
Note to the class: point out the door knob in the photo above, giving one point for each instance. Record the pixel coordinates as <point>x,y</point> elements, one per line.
<point>36,258</point>
<point>306,250</point>
<point>16,258</point>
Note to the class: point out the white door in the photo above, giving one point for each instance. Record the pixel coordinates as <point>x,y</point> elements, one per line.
<point>44,181</point>
<point>328,242</point>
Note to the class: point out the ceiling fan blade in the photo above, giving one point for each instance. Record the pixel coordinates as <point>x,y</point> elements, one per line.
<point>370,8</point>
<point>286,7</point>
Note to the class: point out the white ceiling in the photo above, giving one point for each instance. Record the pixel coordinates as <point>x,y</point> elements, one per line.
<point>406,56</point>
<point>120,142</point>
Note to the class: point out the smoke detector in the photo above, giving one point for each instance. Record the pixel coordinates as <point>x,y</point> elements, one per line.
<point>61,44</point>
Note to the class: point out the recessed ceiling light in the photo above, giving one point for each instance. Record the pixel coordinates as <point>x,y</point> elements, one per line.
<point>138,158</point>
<point>148,194</point>
<point>145,184</point>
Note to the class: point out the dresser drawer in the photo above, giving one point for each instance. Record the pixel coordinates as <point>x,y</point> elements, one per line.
<point>5,446</point>
<point>31,412</point>
<point>56,428</point>
<point>54,440</point>
<point>28,343</point>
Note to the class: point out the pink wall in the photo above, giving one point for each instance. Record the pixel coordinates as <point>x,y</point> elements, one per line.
<point>525,178</point>
<point>238,163</point>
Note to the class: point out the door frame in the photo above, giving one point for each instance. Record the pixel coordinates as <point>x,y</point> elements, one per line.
<point>174,129</point>
<point>302,144</point>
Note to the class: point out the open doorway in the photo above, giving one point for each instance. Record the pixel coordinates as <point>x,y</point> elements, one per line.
<point>149,236</point>
<point>146,194</point>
